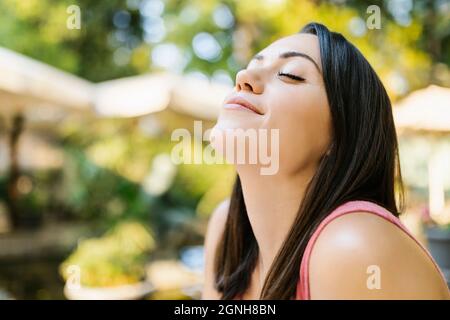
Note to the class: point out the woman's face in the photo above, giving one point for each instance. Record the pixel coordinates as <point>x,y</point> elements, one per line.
<point>284,84</point>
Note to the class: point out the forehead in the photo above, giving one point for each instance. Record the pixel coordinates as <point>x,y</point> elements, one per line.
<point>302,42</point>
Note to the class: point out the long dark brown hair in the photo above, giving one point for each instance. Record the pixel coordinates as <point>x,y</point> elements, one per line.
<point>362,164</point>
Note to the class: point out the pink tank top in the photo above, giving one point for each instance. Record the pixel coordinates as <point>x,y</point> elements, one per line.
<point>350,206</point>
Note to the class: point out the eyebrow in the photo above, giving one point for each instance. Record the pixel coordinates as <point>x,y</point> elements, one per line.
<point>289,54</point>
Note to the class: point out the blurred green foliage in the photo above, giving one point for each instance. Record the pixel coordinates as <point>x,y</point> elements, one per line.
<point>120,38</point>
<point>117,258</point>
<point>107,164</point>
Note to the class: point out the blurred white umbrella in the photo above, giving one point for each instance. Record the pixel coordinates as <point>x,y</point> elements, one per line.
<point>133,96</point>
<point>46,94</point>
<point>424,110</point>
<point>27,83</point>
<point>428,110</point>
<point>141,95</point>
<point>198,98</point>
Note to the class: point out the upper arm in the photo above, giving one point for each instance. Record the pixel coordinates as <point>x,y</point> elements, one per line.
<point>214,232</point>
<point>363,256</point>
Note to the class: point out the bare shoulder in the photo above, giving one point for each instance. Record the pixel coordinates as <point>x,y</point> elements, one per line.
<point>219,215</point>
<point>361,255</point>
<point>216,225</point>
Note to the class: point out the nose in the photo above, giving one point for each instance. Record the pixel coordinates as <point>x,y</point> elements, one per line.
<point>249,80</point>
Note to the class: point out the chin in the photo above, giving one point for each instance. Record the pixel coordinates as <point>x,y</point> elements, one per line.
<point>234,142</point>
<point>237,119</point>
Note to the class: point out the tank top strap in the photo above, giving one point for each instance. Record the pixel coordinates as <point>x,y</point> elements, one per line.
<point>348,207</point>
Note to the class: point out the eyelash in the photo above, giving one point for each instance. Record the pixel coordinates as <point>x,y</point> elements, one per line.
<point>291,76</point>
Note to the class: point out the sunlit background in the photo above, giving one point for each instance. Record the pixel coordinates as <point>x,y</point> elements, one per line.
<point>91,204</point>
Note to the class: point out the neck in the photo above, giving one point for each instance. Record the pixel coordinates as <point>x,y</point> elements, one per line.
<point>272,203</point>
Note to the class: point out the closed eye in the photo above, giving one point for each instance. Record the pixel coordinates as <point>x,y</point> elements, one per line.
<point>294,77</point>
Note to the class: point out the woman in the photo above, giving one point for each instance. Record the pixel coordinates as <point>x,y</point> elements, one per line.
<point>325,225</point>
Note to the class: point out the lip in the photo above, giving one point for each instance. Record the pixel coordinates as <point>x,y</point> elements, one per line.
<point>240,101</point>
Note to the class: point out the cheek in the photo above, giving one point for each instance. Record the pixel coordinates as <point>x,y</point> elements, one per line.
<point>303,118</point>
